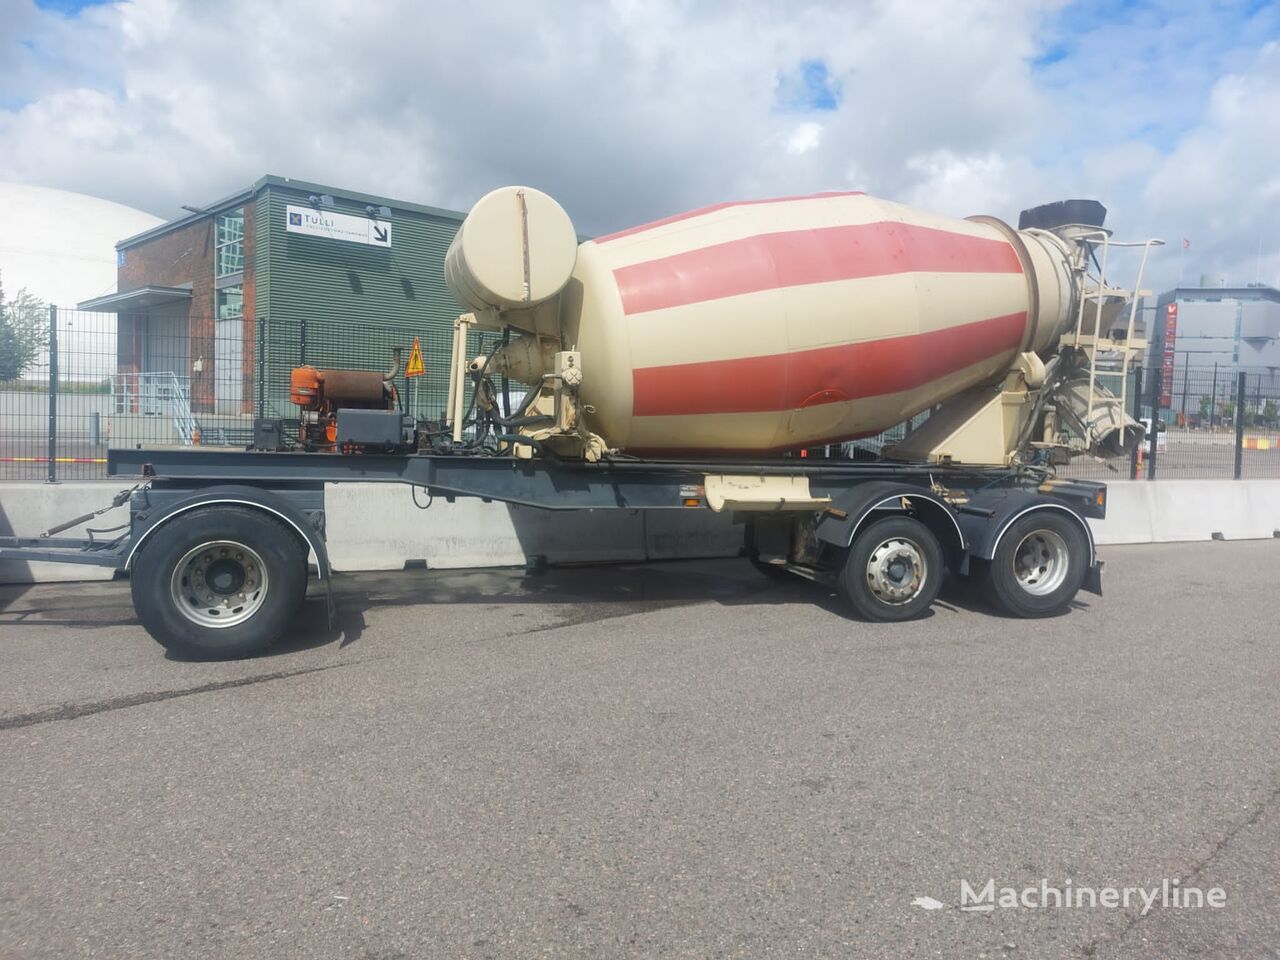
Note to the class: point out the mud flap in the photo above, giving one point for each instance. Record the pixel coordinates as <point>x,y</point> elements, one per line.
<point>1093,579</point>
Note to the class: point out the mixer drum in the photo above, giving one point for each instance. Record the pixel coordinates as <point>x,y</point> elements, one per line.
<point>771,325</point>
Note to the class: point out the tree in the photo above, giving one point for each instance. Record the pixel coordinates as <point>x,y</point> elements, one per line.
<point>24,332</point>
<point>1269,413</point>
<point>1206,406</point>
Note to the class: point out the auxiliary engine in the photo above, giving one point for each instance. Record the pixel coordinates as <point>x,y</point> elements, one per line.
<point>350,410</point>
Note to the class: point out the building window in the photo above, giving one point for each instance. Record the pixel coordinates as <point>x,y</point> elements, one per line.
<point>230,302</point>
<point>228,253</point>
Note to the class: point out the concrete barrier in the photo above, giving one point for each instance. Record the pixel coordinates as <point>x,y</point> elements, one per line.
<point>373,526</point>
<point>377,526</point>
<point>28,509</point>
<point>1165,511</point>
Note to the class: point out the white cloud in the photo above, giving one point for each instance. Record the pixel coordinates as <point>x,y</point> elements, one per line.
<point>805,137</point>
<point>1216,186</point>
<point>638,108</point>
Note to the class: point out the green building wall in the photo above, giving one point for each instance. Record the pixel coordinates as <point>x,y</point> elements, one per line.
<point>337,304</point>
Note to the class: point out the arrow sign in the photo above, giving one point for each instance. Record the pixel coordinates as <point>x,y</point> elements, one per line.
<point>415,367</point>
<point>332,225</point>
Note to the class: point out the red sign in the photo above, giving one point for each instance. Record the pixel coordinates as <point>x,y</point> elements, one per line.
<point>1166,366</point>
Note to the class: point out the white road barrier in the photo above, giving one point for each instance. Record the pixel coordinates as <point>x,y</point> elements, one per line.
<point>377,526</point>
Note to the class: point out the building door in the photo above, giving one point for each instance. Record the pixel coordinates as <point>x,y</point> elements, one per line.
<point>228,384</point>
<point>228,352</point>
<point>162,379</point>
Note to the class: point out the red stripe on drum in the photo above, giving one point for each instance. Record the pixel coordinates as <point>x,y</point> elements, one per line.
<point>790,381</point>
<point>703,211</point>
<point>795,258</point>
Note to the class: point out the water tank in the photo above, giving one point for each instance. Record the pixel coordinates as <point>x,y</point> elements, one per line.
<point>769,325</point>
<point>515,250</point>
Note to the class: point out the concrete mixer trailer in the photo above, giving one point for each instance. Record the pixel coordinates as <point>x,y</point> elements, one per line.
<point>690,364</point>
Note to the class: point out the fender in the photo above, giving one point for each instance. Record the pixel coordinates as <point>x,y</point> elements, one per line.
<point>861,501</point>
<point>153,507</point>
<point>989,514</point>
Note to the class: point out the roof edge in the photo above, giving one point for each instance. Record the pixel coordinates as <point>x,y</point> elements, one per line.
<point>149,295</point>
<point>272,180</point>
<point>1261,291</point>
<point>176,224</point>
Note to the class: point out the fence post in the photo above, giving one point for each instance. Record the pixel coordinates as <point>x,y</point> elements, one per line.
<point>1240,400</point>
<point>1137,415</point>
<point>302,342</point>
<point>53,394</point>
<point>1186,378</point>
<point>262,368</point>
<point>1214,419</point>
<point>1154,439</point>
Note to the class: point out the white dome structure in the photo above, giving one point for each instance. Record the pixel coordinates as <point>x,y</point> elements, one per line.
<point>60,245</point>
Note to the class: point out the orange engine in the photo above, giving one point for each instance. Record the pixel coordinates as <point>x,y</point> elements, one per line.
<point>320,394</point>
<point>305,384</point>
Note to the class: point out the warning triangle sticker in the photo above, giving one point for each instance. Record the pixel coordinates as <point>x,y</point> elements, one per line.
<point>415,367</point>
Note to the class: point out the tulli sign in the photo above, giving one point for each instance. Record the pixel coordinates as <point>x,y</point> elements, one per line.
<point>337,226</point>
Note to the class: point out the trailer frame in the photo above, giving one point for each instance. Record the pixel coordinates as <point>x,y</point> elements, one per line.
<point>968,509</point>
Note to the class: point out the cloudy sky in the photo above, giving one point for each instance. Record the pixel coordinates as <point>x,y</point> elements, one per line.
<point>1168,112</point>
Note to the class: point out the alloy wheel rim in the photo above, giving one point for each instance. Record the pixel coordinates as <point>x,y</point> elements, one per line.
<point>1041,562</point>
<point>896,571</point>
<point>219,584</point>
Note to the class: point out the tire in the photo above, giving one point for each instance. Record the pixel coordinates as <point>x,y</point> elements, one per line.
<point>893,570</point>
<point>1038,566</point>
<point>248,569</point>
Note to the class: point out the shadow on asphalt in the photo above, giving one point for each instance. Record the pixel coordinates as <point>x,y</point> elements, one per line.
<point>959,594</point>
<point>586,594</point>
<point>590,593</point>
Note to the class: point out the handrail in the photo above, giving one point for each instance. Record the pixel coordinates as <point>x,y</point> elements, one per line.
<point>157,391</point>
<point>1099,296</point>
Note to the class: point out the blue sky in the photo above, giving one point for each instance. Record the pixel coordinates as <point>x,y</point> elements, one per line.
<point>68,7</point>
<point>1166,110</point>
<point>808,87</point>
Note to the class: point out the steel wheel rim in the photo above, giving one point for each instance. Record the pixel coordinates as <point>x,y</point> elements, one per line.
<point>896,571</point>
<point>219,584</point>
<point>1041,562</point>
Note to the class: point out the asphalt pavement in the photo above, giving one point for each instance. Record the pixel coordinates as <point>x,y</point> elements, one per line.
<point>678,760</point>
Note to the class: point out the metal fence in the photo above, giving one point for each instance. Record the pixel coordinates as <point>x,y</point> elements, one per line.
<point>165,379</point>
<point>156,379</point>
<point>1211,421</point>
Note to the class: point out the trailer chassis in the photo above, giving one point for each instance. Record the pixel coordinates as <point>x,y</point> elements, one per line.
<point>923,517</point>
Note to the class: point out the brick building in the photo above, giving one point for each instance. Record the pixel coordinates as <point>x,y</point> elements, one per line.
<point>216,306</point>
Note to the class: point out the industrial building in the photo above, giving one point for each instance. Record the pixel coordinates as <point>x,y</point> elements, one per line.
<point>1203,337</point>
<point>215,307</point>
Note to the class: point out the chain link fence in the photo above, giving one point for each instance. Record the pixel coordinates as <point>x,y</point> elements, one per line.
<point>166,378</point>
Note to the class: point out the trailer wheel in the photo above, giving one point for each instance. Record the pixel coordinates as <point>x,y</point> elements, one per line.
<point>220,582</point>
<point>1039,565</point>
<point>893,570</point>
